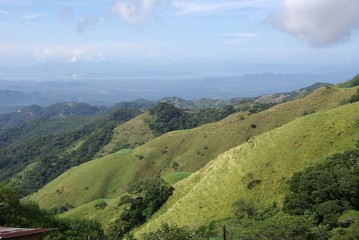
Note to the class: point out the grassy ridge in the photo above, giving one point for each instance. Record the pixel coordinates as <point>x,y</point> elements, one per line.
<point>271,157</point>
<point>192,149</point>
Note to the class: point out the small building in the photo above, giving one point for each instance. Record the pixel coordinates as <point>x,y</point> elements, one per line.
<point>23,233</point>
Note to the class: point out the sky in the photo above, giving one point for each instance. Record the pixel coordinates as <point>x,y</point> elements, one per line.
<point>301,34</point>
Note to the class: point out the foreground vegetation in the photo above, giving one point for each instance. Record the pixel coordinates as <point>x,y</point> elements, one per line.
<point>28,215</point>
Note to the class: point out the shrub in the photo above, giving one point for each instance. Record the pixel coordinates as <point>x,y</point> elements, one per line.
<point>101,205</point>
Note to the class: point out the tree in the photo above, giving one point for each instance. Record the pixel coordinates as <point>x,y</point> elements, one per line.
<point>326,190</point>
<point>145,199</point>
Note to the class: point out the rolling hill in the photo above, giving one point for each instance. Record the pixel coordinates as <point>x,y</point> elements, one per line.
<point>271,158</point>
<point>174,154</point>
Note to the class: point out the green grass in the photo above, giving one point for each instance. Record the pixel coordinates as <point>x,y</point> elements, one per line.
<point>105,216</point>
<point>272,157</point>
<point>175,177</point>
<point>132,133</point>
<point>108,177</point>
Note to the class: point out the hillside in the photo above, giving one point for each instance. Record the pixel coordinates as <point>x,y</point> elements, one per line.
<point>271,158</point>
<point>39,150</point>
<point>129,135</point>
<point>178,152</point>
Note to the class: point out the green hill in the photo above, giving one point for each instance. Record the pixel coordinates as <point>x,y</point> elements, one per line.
<point>129,135</point>
<point>270,158</point>
<point>176,154</point>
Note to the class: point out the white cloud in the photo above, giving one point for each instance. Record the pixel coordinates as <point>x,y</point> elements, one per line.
<point>135,12</point>
<point>319,22</point>
<point>189,7</point>
<point>237,38</point>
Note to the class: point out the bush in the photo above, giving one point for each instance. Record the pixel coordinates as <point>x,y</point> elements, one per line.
<point>168,231</point>
<point>100,205</point>
<point>145,199</point>
<point>355,97</point>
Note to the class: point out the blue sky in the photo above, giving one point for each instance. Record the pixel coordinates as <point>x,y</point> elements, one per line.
<point>307,34</point>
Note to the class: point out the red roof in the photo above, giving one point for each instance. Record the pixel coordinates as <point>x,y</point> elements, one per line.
<point>7,232</point>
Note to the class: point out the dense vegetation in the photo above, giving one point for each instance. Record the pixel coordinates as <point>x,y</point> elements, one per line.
<point>169,231</point>
<point>50,153</point>
<point>355,97</point>
<point>327,190</point>
<point>351,83</point>
<point>34,112</point>
<point>169,118</point>
<point>28,215</point>
<point>144,199</point>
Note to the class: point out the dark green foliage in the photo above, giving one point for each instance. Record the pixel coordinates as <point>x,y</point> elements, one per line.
<point>175,166</point>
<point>250,181</point>
<point>253,107</point>
<point>171,232</point>
<point>326,190</point>
<point>52,147</point>
<point>355,97</point>
<point>145,199</point>
<point>169,118</point>
<point>100,205</point>
<point>280,226</point>
<point>59,110</point>
<point>351,83</point>
<point>348,226</point>
<point>77,229</point>
<point>28,215</point>
<point>62,209</point>
<point>244,209</point>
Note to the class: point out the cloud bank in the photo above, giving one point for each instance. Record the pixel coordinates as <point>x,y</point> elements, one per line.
<point>319,22</point>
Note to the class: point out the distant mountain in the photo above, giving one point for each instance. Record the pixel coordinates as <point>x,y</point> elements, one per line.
<point>10,99</point>
<point>110,88</point>
<point>46,113</point>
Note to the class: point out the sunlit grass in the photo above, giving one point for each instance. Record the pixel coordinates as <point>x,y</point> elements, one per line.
<point>272,158</point>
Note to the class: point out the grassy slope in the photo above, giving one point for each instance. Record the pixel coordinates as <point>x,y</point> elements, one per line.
<point>192,149</point>
<point>107,176</point>
<point>89,211</point>
<point>272,157</point>
<point>134,132</point>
